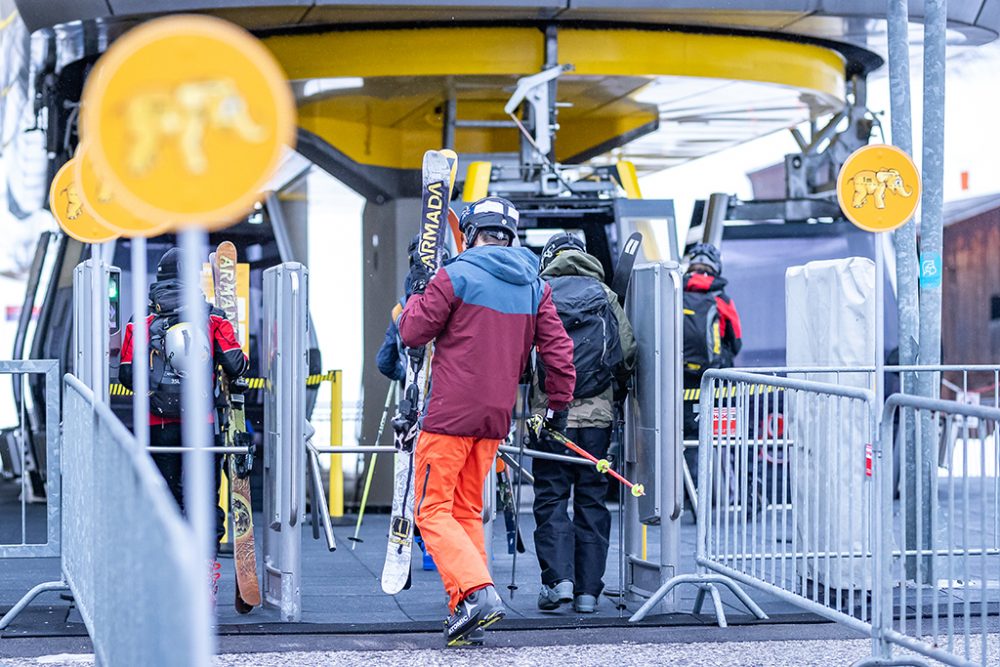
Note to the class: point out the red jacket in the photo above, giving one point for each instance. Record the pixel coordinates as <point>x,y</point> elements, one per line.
<point>730,328</point>
<point>225,351</point>
<point>485,310</point>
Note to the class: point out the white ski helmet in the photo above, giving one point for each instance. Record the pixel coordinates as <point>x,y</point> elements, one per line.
<point>186,346</point>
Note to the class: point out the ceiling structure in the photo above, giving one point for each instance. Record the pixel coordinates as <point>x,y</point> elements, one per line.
<point>658,86</point>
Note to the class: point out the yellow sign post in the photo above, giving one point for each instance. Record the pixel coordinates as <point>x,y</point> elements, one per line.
<point>878,189</point>
<point>187,118</point>
<point>101,202</point>
<point>70,210</point>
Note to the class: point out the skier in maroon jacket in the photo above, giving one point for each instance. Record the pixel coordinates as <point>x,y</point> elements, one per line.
<point>484,310</point>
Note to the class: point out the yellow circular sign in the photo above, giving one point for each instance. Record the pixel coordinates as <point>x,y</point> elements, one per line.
<point>187,118</point>
<point>100,201</point>
<point>878,188</point>
<point>70,211</point>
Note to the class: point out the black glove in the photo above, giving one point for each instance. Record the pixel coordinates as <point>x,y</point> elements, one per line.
<point>556,421</point>
<point>417,281</point>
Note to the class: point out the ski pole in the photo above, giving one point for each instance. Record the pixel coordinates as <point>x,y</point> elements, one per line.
<point>371,467</point>
<point>603,466</point>
<point>517,494</point>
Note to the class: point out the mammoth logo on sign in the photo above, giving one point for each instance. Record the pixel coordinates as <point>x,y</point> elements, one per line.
<point>878,188</point>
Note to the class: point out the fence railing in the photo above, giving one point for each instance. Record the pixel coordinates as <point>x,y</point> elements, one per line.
<point>938,568</point>
<point>892,531</point>
<point>790,520</point>
<point>23,546</point>
<point>128,555</point>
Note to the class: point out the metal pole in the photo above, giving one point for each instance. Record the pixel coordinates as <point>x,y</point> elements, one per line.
<point>879,326</point>
<point>905,237</point>
<point>98,322</point>
<point>932,201</point>
<point>140,345</point>
<point>905,242</point>
<point>196,434</point>
<point>931,238</point>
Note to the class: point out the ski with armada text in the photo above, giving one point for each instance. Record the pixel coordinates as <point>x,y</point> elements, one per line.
<point>437,183</point>
<point>233,423</point>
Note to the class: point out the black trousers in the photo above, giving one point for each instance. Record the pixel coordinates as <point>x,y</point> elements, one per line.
<point>171,467</point>
<point>575,549</point>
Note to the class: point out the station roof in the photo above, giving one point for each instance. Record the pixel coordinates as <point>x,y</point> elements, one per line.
<point>658,86</point>
<point>857,22</point>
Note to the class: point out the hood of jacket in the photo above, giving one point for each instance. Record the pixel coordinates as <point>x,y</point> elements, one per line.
<point>517,266</point>
<point>702,282</point>
<point>166,297</point>
<point>574,263</point>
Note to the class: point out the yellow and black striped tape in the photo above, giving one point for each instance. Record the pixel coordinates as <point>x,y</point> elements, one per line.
<point>721,392</point>
<point>252,383</point>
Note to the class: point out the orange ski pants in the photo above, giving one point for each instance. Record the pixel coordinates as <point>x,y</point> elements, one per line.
<point>450,471</point>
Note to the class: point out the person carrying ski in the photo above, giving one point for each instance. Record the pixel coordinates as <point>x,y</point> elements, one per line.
<point>712,331</point>
<point>484,310</point>
<point>390,358</point>
<point>172,345</point>
<point>391,362</point>
<point>573,553</point>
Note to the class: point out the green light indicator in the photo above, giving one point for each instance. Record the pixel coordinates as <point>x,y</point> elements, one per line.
<point>113,289</point>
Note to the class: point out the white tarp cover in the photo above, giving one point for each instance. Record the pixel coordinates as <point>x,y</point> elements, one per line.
<point>830,321</point>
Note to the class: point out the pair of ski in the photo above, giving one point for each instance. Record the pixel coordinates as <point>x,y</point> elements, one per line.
<point>439,171</point>
<point>233,425</point>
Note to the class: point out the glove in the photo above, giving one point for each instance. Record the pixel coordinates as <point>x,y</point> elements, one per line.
<point>418,278</point>
<point>556,421</point>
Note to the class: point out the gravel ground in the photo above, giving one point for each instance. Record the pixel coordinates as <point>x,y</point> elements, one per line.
<point>772,653</point>
<point>809,653</point>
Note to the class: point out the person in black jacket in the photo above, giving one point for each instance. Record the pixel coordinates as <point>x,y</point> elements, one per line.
<point>167,316</point>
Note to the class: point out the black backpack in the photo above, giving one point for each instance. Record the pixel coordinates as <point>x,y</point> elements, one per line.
<point>702,336</point>
<point>588,317</point>
<point>164,380</point>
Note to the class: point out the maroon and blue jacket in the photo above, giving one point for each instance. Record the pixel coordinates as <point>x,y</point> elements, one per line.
<point>485,310</point>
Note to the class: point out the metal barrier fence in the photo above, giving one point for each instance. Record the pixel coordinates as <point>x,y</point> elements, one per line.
<point>798,530</point>
<point>18,459</point>
<point>127,552</point>
<point>800,500</point>
<point>935,589</point>
<point>18,439</point>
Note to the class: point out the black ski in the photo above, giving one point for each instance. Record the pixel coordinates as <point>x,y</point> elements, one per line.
<point>623,270</point>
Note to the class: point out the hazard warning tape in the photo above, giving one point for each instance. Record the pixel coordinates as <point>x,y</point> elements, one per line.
<point>720,392</point>
<point>252,383</point>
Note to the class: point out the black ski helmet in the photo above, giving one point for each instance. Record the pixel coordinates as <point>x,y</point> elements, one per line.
<point>560,243</point>
<point>707,255</point>
<point>170,266</point>
<point>489,213</point>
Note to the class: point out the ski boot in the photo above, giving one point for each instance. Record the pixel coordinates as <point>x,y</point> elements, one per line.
<point>552,597</point>
<point>475,638</point>
<point>479,609</point>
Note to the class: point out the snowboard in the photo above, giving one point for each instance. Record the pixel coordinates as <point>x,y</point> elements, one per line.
<point>238,466</point>
<point>437,168</point>
<point>623,269</point>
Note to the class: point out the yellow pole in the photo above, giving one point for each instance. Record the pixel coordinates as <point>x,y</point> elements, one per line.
<point>336,440</point>
<point>644,541</point>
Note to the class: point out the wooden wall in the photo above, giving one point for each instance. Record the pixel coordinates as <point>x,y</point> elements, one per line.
<point>971,279</point>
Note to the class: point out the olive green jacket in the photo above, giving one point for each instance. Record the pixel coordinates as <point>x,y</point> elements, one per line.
<point>596,411</point>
